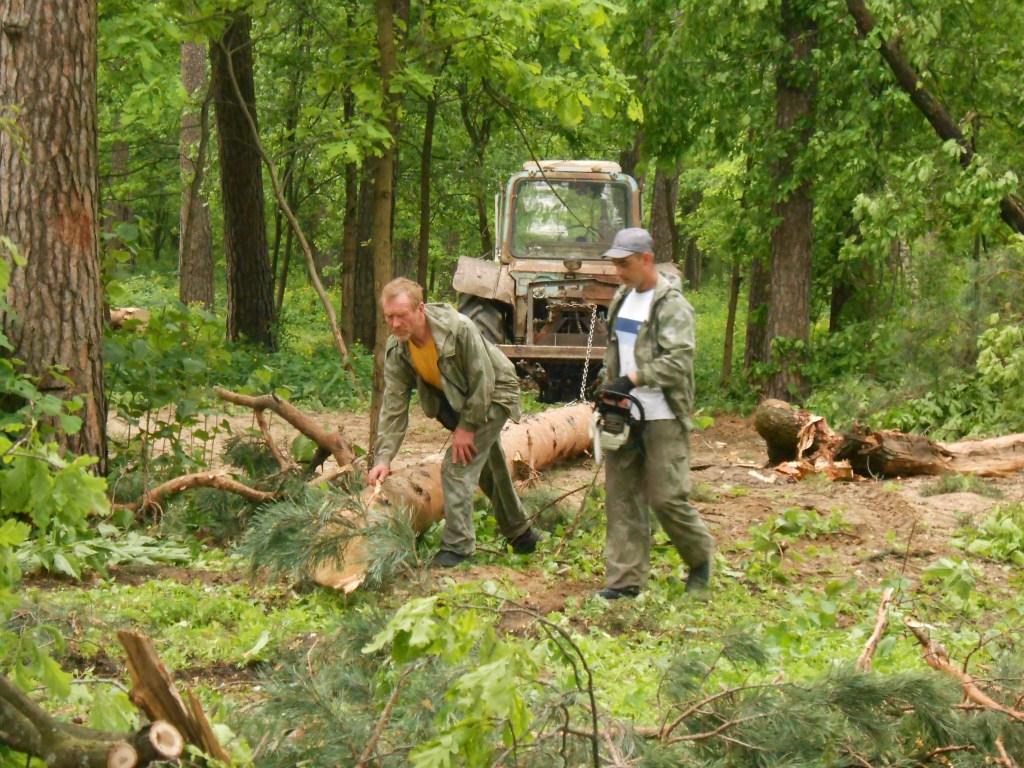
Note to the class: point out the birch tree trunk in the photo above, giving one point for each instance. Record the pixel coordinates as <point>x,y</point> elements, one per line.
<point>195,251</point>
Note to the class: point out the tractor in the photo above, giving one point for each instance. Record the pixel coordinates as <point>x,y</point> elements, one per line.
<point>543,298</point>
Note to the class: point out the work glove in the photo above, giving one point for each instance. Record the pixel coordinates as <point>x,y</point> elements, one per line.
<point>621,385</point>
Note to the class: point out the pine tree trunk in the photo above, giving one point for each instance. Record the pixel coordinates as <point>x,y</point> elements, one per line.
<point>789,310</point>
<point>538,441</point>
<point>49,194</point>
<point>195,247</point>
<point>249,279</point>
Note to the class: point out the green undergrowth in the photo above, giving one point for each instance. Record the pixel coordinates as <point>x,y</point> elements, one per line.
<point>482,662</point>
<point>195,622</point>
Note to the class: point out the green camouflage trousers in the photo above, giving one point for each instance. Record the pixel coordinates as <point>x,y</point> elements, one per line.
<point>489,470</point>
<point>656,473</point>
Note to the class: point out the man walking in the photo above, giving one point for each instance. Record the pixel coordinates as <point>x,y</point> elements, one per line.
<point>650,355</point>
<point>468,385</point>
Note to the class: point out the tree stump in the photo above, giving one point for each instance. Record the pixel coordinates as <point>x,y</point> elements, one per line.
<point>788,433</point>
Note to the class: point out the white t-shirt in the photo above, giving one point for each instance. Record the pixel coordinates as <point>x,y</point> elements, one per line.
<point>634,312</point>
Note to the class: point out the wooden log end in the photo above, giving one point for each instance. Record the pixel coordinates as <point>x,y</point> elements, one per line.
<point>122,755</point>
<point>164,740</point>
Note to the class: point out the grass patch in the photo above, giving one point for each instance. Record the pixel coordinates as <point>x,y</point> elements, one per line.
<point>962,484</point>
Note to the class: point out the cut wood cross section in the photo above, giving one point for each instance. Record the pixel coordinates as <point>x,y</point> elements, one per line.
<point>536,442</point>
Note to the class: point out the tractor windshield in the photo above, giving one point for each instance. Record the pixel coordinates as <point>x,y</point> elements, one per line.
<point>561,219</point>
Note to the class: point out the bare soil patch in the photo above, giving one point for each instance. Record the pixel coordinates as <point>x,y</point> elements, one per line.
<point>891,529</point>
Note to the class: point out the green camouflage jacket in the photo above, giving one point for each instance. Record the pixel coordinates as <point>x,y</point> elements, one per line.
<point>664,347</point>
<point>476,377</point>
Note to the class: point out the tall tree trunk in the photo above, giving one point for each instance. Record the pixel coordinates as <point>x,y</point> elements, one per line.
<point>49,193</point>
<point>383,196</point>
<point>117,212</point>
<point>250,281</point>
<point>789,311</point>
<point>290,183</point>
<point>692,256</point>
<point>423,247</point>
<point>759,295</point>
<point>195,242</point>
<point>663,216</point>
<point>479,132</point>
<point>365,307</point>
<point>735,278</point>
<point>630,157</point>
<point>350,239</point>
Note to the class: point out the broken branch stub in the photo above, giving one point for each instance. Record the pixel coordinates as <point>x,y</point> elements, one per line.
<point>153,691</point>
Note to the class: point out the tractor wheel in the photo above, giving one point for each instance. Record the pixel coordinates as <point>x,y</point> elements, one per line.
<point>486,315</point>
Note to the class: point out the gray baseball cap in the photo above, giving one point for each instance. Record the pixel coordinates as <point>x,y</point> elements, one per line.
<point>630,241</point>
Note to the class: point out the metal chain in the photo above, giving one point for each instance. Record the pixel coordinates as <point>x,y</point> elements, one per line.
<point>590,346</point>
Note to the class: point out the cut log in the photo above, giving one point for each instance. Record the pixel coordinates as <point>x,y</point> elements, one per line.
<point>25,727</point>
<point>153,691</point>
<point>801,443</point>
<point>874,453</point>
<point>994,457</point>
<point>790,433</point>
<point>118,317</point>
<point>536,442</point>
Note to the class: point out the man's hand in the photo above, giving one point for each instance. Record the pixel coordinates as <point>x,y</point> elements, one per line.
<point>377,474</point>
<point>621,385</point>
<point>463,446</point>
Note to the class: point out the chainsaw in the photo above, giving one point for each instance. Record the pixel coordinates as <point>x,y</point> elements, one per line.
<point>613,421</point>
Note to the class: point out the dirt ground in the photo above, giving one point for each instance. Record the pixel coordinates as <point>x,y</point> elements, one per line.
<point>892,527</point>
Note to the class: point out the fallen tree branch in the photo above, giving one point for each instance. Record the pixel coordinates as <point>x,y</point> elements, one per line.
<point>881,622</point>
<point>284,463</point>
<point>217,479</point>
<point>29,729</point>
<point>334,442</point>
<point>936,656</point>
<point>1004,758</point>
<point>382,721</point>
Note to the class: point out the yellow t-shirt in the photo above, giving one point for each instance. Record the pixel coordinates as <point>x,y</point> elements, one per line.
<point>424,360</point>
